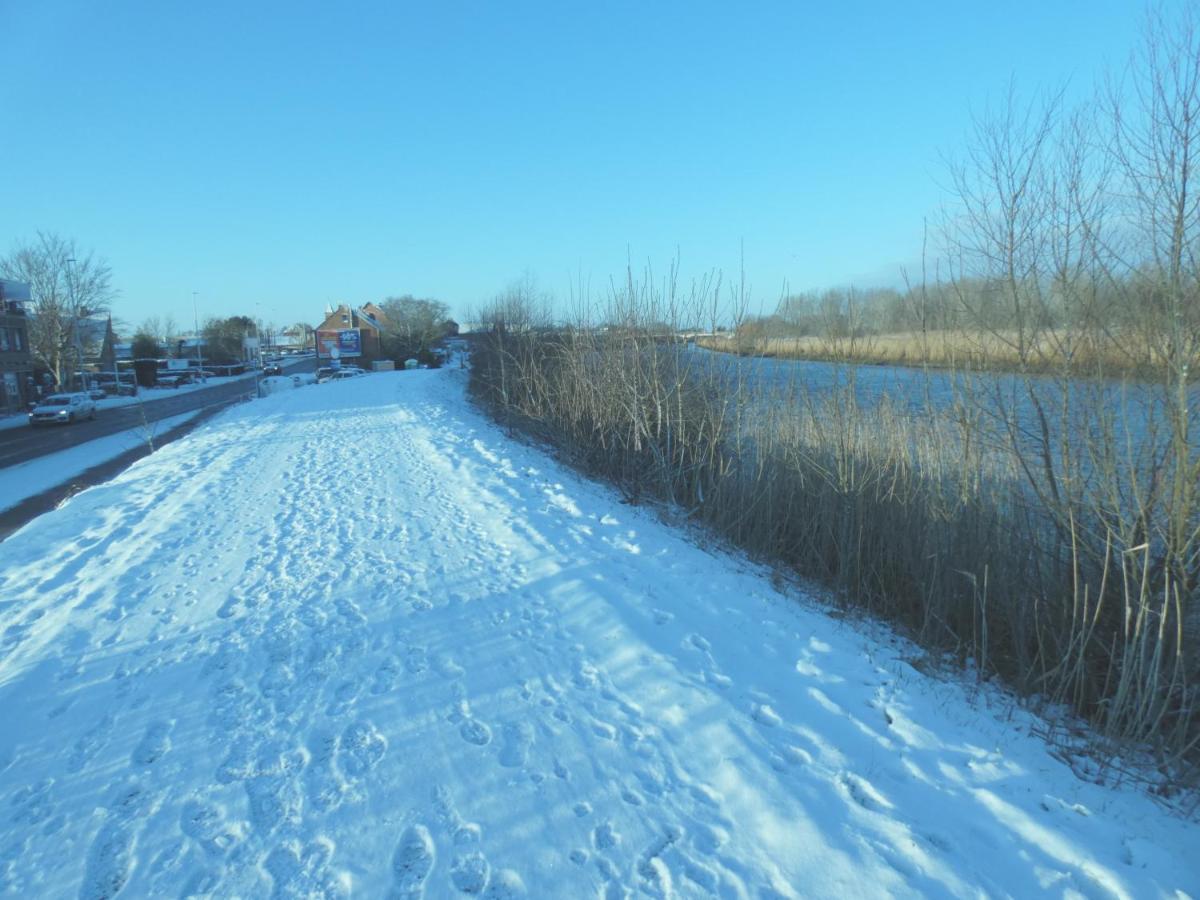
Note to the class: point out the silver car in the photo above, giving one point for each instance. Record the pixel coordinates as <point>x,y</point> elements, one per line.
<point>63,408</point>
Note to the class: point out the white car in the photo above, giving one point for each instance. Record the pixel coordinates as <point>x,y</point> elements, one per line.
<point>63,408</point>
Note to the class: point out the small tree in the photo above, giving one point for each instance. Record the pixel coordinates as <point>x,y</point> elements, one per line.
<point>224,339</point>
<point>145,345</point>
<point>412,326</point>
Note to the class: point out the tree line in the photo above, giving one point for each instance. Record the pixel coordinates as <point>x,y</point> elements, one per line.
<point>71,287</point>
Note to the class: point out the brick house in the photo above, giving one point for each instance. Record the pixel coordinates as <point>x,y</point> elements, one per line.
<point>16,358</point>
<point>354,331</point>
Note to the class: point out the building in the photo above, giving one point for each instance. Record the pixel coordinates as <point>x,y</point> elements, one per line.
<point>16,357</point>
<point>354,333</point>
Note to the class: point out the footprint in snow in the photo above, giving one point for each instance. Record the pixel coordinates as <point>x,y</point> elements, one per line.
<point>386,678</point>
<point>274,801</point>
<point>415,660</point>
<point>303,871</point>
<point>864,793</point>
<point>518,738</point>
<point>412,862</point>
<point>343,698</point>
<point>605,836</point>
<point>764,715</point>
<point>469,872</point>
<point>33,804</point>
<point>206,825</point>
<point>110,862</point>
<point>90,743</point>
<point>154,744</point>
<point>447,667</point>
<point>475,732</point>
<point>633,798</point>
<point>362,747</point>
<point>505,885</point>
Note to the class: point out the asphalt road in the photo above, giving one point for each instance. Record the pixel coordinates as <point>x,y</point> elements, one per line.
<point>19,445</point>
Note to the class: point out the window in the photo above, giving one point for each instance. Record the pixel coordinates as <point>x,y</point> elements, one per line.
<point>3,339</point>
<point>18,339</point>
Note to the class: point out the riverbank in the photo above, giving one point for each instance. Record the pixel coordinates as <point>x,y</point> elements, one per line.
<point>977,515</point>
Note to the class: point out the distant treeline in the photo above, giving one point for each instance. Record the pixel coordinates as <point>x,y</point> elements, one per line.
<point>975,323</point>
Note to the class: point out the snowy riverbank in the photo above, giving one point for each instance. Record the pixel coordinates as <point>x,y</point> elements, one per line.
<point>350,640</point>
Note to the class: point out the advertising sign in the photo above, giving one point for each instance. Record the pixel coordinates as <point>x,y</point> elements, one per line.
<point>350,342</point>
<point>341,343</point>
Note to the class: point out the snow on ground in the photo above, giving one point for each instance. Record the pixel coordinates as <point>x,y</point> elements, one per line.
<point>28,479</point>
<point>349,640</point>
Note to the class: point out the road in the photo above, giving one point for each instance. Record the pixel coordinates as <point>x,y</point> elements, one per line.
<point>19,445</point>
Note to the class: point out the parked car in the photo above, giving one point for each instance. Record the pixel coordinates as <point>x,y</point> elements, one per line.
<point>179,377</point>
<point>125,386</point>
<point>172,381</point>
<point>63,408</point>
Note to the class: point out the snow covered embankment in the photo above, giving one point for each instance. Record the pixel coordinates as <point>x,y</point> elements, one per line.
<point>348,640</point>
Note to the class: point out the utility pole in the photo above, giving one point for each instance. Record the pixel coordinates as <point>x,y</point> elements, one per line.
<point>196,326</point>
<point>74,322</point>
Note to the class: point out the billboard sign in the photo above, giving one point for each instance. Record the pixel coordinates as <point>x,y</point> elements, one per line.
<point>342,343</point>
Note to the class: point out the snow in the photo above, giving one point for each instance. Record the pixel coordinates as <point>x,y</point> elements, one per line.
<point>28,479</point>
<point>351,640</point>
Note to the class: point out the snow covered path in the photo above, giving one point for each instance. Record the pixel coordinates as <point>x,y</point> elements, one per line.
<point>348,640</point>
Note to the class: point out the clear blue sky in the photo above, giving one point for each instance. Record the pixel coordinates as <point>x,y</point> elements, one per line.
<point>276,156</point>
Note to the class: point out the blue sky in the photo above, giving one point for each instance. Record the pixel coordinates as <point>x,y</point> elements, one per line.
<point>274,157</point>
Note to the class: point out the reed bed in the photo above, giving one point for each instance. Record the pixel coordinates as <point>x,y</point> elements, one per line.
<point>1043,562</point>
<point>1114,355</point>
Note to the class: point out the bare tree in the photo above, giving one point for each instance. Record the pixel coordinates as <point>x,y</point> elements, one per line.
<point>68,287</point>
<point>413,325</point>
<point>998,237</point>
<point>304,332</point>
<point>1156,149</point>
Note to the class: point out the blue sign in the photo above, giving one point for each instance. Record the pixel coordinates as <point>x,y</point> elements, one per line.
<point>349,342</point>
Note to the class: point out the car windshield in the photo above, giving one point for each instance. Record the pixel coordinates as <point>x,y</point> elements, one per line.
<point>57,401</point>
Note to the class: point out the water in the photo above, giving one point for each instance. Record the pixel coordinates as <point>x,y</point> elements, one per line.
<point>1132,416</point>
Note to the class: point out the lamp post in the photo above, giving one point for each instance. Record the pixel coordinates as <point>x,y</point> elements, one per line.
<point>196,328</point>
<point>74,320</point>
<point>258,386</point>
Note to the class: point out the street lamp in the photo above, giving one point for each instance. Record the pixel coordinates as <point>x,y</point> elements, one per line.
<point>74,320</point>
<point>196,329</point>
